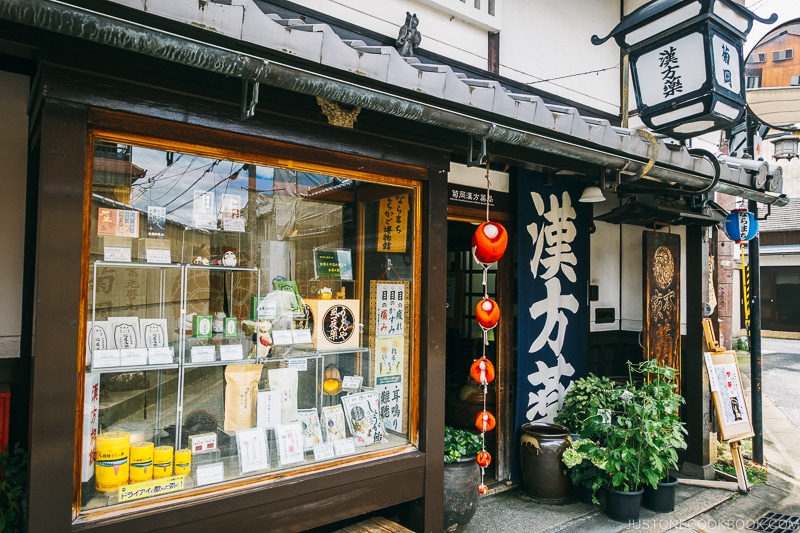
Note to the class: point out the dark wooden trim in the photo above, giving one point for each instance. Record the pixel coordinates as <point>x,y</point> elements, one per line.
<point>493,63</point>
<point>433,338</point>
<point>693,374</point>
<point>60,279</point>
<point>304,129</point>
<point>293,504</point>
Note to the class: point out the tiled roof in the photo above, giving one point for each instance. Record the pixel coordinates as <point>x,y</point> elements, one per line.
<point>517,118</point>
<point>783,218</point>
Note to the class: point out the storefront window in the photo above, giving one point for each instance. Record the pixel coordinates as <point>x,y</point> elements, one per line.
<point>243,320</point>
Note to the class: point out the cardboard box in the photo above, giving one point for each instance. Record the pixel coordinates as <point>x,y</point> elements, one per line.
<point>203,442</point>
<point>202,326</point>
<point>336,324</point>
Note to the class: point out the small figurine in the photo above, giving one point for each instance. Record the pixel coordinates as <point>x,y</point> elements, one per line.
<point>325,293</point>
<point>409,37</point>
<point>218,325</point>
<point>229,259</point>
<point>341,295</point>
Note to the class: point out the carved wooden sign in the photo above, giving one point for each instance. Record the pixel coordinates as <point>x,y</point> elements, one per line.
<point>661,294</point>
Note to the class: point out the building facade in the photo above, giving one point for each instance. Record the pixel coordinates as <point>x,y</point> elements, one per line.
<point>244,247</point>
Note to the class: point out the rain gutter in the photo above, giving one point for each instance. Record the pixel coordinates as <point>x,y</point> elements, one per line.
<point>72,21</point>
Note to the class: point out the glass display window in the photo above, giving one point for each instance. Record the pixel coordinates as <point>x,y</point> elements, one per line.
<point>244,318</point>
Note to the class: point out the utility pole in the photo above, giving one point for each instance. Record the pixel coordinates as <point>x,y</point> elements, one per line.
<point>755,318</point>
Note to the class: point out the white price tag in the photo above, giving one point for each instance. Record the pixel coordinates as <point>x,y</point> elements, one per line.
<point>203,354</point>
<point>106,358</point>
<point>160,356</point>
<point>117,253</point>
<point>158,255</point>
<point>344,447</point>
<point>301,365</point>
<point>231,352</point>
<point>301,336</point>
<point>281,337</point>
<point>352,383</point>
<point>133,356</point>
<point>208,474</point>
<point>323,451</point>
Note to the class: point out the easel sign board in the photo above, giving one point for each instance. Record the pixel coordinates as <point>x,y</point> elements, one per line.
<point>729,399</point>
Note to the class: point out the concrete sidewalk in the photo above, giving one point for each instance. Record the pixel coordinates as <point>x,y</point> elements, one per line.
<point>697,509</point>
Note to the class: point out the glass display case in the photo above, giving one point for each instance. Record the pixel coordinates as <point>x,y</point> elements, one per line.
<point>242,319</point>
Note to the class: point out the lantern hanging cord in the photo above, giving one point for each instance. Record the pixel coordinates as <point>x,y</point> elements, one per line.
<point>488,189</point>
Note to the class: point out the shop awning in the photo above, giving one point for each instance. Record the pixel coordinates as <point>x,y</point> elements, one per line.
<point>501,116</point>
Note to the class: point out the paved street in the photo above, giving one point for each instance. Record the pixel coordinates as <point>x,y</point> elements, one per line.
<point>780,375</point>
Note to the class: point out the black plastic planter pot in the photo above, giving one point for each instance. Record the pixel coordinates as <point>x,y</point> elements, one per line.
<point>661,499</point>
<point>623,506</point>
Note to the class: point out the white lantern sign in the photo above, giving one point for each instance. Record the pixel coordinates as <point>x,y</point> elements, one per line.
<point>686,61</point>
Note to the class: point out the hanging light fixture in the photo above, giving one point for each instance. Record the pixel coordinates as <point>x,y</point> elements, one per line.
<point>741,225</point>
<point>686,61</point>
<point>592,194</point>
<point>785,148</point>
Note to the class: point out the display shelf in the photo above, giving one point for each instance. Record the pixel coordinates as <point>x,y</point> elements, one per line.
<point>186,390</point>
<point>129,369</point>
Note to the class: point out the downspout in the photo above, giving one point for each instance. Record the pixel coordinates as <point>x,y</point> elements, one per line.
<point>55,16</point>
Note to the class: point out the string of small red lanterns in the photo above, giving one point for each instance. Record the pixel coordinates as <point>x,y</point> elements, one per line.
<point>489,243</point>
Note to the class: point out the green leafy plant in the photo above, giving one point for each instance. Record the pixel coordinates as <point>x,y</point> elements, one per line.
<point>585,470</point>
<point>583,399</point>
<point>13,481</point>
<point>741,344</point>
<point>459,443</point>
<point>637,443</point>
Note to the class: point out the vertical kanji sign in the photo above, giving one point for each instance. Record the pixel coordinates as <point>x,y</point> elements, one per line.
<point>553,266</point>
<point>389,344</point>
<point>393,224</point>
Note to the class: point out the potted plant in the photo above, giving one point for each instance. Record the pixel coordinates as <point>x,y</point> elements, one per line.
<point>638,442</point>
<point>586,473</point>
<point>461,476</point>
<point>666,434</point>
<point>619,447</point>
<point>585,397</point>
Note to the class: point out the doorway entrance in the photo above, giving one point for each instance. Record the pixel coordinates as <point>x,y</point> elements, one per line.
<point>465,344</point>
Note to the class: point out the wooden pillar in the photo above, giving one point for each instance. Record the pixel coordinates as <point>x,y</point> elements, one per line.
<point>697,411</point>
<point>59,279</point>
<point>432,374</point>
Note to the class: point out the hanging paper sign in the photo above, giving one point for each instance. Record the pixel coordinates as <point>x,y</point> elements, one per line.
<point>390,307</point>
<point>741,225</point>
<point>393,224</point>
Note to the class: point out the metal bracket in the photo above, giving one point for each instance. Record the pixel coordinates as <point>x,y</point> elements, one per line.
<point>766,216</point>
<point>481,160</point>
<point>249,109</point>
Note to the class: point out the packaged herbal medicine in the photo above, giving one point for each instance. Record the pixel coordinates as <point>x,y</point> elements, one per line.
<point>241,394</point>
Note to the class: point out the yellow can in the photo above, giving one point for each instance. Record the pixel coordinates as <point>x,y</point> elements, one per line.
<point>141,462</point>
<point>183,462</point>
<point>162,462</point>
<point>111,455</point>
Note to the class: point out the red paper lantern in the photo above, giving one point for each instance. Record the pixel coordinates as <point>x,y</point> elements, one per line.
<point>485,421</point>
<point>487,313</point>
<point>489,242</point>
<point>483,459</point>
<point>482,371</point>
<point>483,489</point>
